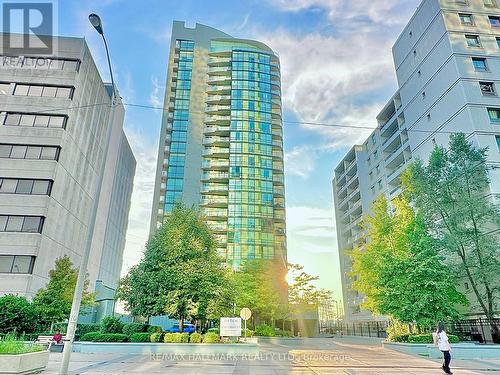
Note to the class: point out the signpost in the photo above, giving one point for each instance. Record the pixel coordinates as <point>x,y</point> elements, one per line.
<point>230,327</point>
<point>245,314</point>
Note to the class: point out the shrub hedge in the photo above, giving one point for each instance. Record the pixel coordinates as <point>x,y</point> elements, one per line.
<point>139,337</point>
<point>214,329</point>
<point>211,338</point>
<point>156,337</point>
<point>90,336</point>
<point>131,328</point>
<point>111,324</point>
<point>195,338</point>
<point>184,337</point>
<point>265,330</point>
<point>111,337</point>
<point>82,329</point>
<point>426,338</point>
<point>154,329</point>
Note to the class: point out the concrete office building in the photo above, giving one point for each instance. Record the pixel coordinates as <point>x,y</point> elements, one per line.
<point>221,144</point>
<point>447,62</point>
<point>55,112</point>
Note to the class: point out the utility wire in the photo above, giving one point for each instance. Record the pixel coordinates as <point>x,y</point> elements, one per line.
<point>51,109</point>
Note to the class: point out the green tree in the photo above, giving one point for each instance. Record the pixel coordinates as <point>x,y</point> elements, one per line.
<point>260,286</point>
<point>399,269</point>
<point>179,273</point>
<point>451,193</point>
<point>53,303</point>
<point>17,315</point>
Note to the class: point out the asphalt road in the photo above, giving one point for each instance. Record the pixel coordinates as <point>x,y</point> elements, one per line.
<point>306,356</point>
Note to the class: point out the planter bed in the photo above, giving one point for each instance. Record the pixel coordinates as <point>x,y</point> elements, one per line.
<point>23,363</point>
<point>459,351</point>
<point>161,348</point>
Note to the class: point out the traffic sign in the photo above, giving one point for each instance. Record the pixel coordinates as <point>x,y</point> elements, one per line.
<point>245,313</point>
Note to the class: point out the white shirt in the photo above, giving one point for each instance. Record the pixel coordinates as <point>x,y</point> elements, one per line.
<point>443,343</point>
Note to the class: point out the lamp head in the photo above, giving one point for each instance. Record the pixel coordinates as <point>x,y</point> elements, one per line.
<point>95,20</point>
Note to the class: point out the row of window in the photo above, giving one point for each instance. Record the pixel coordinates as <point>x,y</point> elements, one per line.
<point>251,57</point>
<point>251,161</point>
<point>249,75</point>
<point>25,186</point>
<point>11,151</point>
<point>487,3</point>
<point>24,224</point>
<point>250,95</point>
<point>238,136</point>
<point>17,264</point>
<point>251,115</point>
<point>251,66</point>
<point>250,105</point>
<point>45,91</point>
<point>467,19</point>
<point>40,62</point>
<point>251,172</point>
<point>33,120</point>
<point>251,125</point>
<point>249,252</point>
<point>251,148</point>
<point>251,185</point>
<point>187,45</point>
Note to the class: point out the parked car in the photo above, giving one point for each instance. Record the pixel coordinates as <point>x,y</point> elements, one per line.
<point>188,327</point>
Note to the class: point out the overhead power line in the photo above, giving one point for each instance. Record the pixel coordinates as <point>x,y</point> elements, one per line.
<point>285,121</point>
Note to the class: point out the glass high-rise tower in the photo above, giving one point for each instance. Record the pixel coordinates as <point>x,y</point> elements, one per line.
<point>221,143</point>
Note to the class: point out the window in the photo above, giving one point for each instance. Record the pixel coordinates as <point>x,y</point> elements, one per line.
<point>10,151</point>
<point>423,95</point>
<point>34,120</point>
<point>5,88</point>
<point>490,3</point>
<point>43,91</point>
<point>498,42</point>
<point>498,141</point>
<point>25,186</point>
<point>494,21</point>
<point>429,117</point>
<point>465,18</point>
<point>473,41</point>
<point>26,224</point>
<point>487,88</point>
<point>479,64</point>
<point>494,114</point>
<point>16,263</point>
<point>466,286</point>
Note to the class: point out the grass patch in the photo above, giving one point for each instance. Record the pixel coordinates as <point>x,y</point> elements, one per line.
<point>11,345</point>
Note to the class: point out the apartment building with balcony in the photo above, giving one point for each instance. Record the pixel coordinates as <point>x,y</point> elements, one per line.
<point>221,142</point>
<point>54,115</point>
<point>447,62</point>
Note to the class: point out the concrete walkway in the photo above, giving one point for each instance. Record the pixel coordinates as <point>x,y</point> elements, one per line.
<point>306,356</point>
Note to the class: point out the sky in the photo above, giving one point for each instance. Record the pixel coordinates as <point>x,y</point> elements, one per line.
<point>336,68</point>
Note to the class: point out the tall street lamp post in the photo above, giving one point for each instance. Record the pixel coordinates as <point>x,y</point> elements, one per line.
<point>95,20</point>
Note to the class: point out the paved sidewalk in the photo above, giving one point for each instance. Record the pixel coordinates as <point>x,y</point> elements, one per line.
<point>307,356</point>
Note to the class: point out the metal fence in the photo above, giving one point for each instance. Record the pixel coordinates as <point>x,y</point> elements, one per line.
<point>478,330</point>
<point>367,329</point>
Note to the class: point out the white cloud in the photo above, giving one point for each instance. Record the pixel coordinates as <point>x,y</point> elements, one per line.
<point>310,229</point>
<point>335,79</point>
<point>142,197</point>
<point>155,98</point>
<point>388,12</point>
<point>300,161</point>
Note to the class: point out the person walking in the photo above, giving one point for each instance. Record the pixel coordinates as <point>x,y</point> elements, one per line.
<point>441,340</point>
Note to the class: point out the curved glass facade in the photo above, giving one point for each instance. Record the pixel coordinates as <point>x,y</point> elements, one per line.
<point>224,118</point>
<point>247,98</point>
